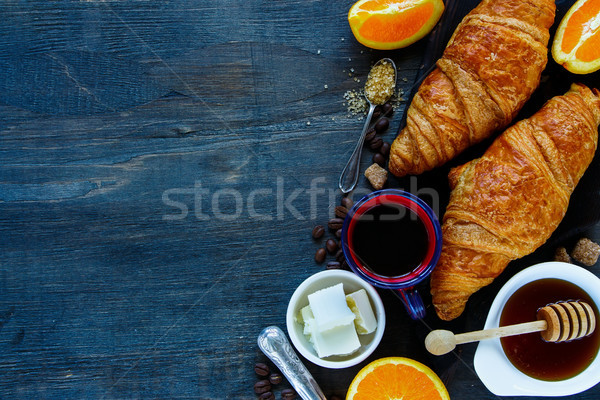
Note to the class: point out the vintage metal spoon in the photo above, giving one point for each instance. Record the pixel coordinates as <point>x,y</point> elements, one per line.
<point>349,176</point>
<point>557,322</point>
<point>273,342</point>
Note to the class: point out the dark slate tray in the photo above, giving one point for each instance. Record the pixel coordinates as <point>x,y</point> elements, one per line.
<point>584,210</point>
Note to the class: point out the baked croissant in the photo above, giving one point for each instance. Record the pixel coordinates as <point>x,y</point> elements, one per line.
<point>507,203</point>
<point>489,69</point>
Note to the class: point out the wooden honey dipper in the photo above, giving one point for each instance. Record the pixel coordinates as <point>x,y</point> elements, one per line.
<point>557,322</point>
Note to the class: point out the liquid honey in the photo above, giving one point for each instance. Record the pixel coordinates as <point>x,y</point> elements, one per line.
<point>530,353</point>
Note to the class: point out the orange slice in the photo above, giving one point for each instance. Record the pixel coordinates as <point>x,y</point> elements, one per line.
<point>393,24</point>
<point>397,378</point>
<point>576,45</point>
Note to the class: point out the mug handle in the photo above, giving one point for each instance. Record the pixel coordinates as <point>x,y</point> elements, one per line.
<point>412,301</point>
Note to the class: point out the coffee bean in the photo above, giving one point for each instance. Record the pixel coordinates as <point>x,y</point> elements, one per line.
<point>345,265</point>
<point>338,234</point>
<point>341,211</point>
<point>335,397</point>
<point>288,394</point>
<point>378,158</point>
<point>331,245</point>
<point>267,396</point>
<point>370,135</point>
<point>375,144</point>
<point>385,149</point>
<point>317,232</point>
<point>382,125</point>
<point>261,369</point>
<point>347,202</point>
<point>335,223</point>
<point>262,386</point>
<point>339,256</point>
<point>334,265</point>
<point>320,255</point>
<point>376,113</point>
<point>275,378</point>
<point>387,109</point>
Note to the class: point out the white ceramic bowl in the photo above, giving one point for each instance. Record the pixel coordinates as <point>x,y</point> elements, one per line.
<point>352,283</point>
<point>493,367</point>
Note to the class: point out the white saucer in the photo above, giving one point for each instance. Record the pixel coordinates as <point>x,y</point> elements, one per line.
<point>493,367</point>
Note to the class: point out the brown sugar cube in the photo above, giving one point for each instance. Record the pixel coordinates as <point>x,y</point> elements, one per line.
<point>586,252</point>
<point>377,176</point>
<point>562,255</point>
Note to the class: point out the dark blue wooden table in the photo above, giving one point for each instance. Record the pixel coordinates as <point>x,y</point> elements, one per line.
<point>162,165</point>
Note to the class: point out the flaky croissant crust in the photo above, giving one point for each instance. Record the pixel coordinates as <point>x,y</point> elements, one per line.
<point>490,68</point>
<point>507,203</point>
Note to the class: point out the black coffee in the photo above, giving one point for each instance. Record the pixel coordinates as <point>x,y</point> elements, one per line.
<point>390,240</point>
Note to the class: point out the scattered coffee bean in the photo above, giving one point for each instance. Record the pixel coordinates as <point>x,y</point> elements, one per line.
<point>376,143</point>
<point>262,386</point>
<point>275,378</point>
<point>261,369</point>
<point>385,149</point>
<point>338,234</point>
<point>379,159</point>
<point>387,109</point>
<point>370,135</point>
<point>317,232</point>
<point>347,202</point>
<point>377,112</point>
<point>331,245</point>
<point>320,255</point>
<point>382,125</point>
<point>339,256</point>
<point>288,394</point>
<point>345,265</point>
<point>341,211</point>
<point>267,396</point>
<point>334,265</point>
<point>335,223</point>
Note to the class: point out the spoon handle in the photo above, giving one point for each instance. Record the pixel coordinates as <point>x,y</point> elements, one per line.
<point>511,330</point>
<point>273,342</point>
<point>349,176</point>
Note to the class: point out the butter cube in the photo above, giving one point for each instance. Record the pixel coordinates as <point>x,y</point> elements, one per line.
<point>360,305</point>
<point>304,315</point>
<point>341,340</point>
<point>330,308</point>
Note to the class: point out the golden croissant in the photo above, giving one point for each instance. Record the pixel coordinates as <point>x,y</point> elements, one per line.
<point>489,69</point>
<point>507,203</point>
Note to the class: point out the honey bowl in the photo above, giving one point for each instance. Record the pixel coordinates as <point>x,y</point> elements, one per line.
<point>499,363</point>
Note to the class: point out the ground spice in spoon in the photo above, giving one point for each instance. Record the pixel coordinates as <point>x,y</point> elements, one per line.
<point>380,83</point>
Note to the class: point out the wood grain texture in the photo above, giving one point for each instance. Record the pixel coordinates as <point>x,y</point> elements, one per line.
<point>155,214</point>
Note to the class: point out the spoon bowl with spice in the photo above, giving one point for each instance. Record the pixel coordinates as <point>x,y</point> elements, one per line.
<point>380,86</point>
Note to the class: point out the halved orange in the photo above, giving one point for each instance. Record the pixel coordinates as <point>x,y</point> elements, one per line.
<point>393,24</point>
<point>576,45</point>
<point>397,378</point>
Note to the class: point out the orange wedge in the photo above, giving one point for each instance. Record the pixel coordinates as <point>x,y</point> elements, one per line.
<point>397,378</point>
<point>393,24</point>
<point>576,45</point>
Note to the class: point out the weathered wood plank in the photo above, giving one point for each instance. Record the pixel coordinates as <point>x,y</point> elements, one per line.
<point>156,167</point>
